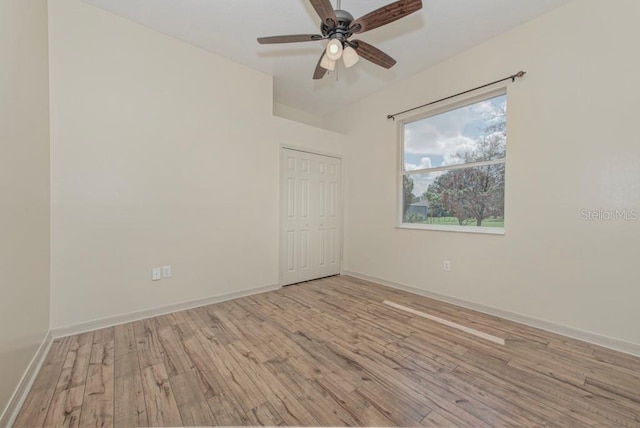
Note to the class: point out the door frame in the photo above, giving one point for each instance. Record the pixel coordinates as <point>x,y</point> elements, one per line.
<point>340,207</point>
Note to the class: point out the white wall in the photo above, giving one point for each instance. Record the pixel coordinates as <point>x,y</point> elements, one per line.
<point>292,113</point>
<point>24,188</point>
<point>162,153</point>
<point>572,145</point>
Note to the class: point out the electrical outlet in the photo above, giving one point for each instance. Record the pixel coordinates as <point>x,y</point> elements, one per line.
<point>166,271</point>
<point>446,265</point>
<point>156,274</point>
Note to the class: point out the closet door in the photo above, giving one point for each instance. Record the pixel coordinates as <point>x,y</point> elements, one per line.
<point>329,242</point>
<point>310,240</point>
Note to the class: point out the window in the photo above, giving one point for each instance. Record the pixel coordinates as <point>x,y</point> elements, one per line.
<point>453,167</point>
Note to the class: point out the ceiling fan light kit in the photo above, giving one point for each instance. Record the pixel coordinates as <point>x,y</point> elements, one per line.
<point>350,57</point>
<point>334,49</point>
<point>338,26</point>
<point>327,64</point>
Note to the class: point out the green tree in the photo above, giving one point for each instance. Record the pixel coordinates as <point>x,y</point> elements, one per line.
<point>407,195</point>
<point>436,207</point>
<point>477,192</point>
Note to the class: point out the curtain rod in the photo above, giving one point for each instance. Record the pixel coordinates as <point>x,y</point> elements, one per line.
<point>512,77</point>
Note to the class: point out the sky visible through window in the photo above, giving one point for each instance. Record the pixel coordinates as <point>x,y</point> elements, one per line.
<point>443,139</point>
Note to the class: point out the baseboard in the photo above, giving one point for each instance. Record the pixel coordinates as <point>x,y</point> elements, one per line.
<point>154,312</point>
<point>586,336</point>
<point>10,413</point>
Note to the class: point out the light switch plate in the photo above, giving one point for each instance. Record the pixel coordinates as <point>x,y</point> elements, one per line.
<point>166,271</point>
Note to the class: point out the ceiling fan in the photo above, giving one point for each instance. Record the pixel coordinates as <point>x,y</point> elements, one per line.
<point>338,26</point>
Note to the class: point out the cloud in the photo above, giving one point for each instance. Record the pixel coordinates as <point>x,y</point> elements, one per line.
<point>421,182</point>
<point>425,162</point>
<point>451,133</point>
<point>443,139</point>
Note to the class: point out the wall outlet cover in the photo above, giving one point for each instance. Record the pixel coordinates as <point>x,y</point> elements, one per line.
<point>166,271</point>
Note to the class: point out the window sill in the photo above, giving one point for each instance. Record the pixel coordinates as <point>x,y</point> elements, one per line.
<point>463,229</point>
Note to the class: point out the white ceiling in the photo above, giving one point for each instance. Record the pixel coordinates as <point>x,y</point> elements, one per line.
<point>229,28</point>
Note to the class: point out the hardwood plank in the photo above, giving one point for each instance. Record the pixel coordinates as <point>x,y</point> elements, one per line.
<point>147,342</point>
<point>36,406</point>
<point>104,335</point>
<point>320,405</point>
<point>616,358</point>
<point>418,394</point>
<point>76,363</point>
<point>393,406</point>
<point>98,402</point>
<point>528,401</point>
<point>193,406</point>
<point>286,404</point>
<point>474,399</point>
<point>162,409</point>
<point>66,404</point>
<point>358,407</point>
<point>173,355</point>
<point>130,409</point>
<point>557,394</point>
<point>265,415</point>
<point>125,339</point>
<point>58,351</point>
<point>329,352</point>
<point>216,326</point>
<point>65,408</point>
<point>240,381</point>
<point>224,406</point>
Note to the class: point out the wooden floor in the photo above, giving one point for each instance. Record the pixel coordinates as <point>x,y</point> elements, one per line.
<point>330,353</point>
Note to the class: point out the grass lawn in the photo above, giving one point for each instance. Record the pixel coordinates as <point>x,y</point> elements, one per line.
<point>452,221</point>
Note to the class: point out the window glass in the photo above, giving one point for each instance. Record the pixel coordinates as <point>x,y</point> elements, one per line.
<point>454,166</point>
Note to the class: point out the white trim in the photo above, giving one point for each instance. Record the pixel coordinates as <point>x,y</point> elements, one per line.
<point>460,101</point>
<point>453,228</point>
<point>492,91</point>
<point>572,332</point>
<point>451,324</point>
<point>455,166</point>
<point>154,312</point>
<point>10,413</point>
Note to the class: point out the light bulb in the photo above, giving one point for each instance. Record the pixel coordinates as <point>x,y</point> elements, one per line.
<point>350,56</point>
<point>327,64</point>
<point>334,49</point>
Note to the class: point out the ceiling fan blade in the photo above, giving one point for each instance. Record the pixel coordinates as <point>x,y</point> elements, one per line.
<point>319,72</point>
<point>373,54</point>
<point>385,15</point>
<point>325,12</point>
<point>293,38</point>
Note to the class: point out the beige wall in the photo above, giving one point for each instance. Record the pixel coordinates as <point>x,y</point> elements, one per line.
<point>162,153</point>
<point>291,113</point>
<point>572,145</point>
<point>24,188</point>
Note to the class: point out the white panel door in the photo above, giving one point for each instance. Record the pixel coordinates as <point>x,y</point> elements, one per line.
<point>310,242</point>
<point>329,243</point>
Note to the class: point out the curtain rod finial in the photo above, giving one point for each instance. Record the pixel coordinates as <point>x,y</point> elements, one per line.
<point>518,74</point>
<point>390,116</point>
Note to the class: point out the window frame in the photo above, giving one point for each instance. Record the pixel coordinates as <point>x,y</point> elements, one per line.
<point>433,111</point>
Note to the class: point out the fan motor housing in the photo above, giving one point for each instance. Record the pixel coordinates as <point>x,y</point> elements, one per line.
<point>341,31</point>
